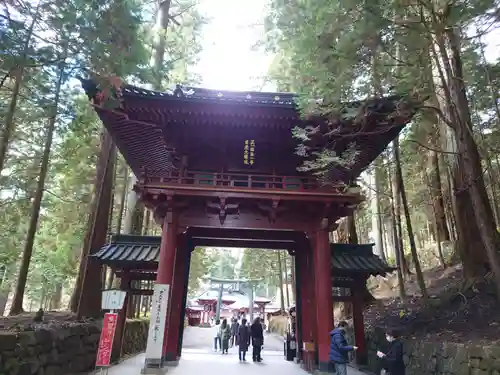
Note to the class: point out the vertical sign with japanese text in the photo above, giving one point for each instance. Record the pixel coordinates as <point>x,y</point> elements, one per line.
<point>249,152</point>
<point>106,340</point>
<point>159,305</point>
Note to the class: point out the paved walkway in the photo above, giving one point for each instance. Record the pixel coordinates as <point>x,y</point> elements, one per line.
<point>198,358</point>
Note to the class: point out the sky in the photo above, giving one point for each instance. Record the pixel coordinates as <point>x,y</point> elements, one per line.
<point>228,61</point>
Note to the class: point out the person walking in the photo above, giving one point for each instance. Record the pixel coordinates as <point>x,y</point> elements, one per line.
<point>234,332</point>
<point>257,334</point>
<point>339,350</point>
<point>392,361</point>
<point>243,340</point>
<point>225,335</point>
<point>216,335</point>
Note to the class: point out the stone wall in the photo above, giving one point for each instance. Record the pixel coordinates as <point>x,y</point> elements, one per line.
<point>60,350</point>
<point>136,336</point>
<point>439,358</point>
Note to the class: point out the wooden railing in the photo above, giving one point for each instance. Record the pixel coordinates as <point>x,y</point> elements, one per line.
<point>240,181</point>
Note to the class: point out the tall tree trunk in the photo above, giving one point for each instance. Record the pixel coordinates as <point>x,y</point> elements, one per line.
<point>98,213</point>
<point>397,250</point>
<point>397,215</point>
<point>161,44</point>
<point>280,281</point>
<point>368,298</point>
<point>19,75</point>
<point>135,211</point>
<point>377,229</point>
<point>294,280</point>
<point>4,290</point>
<point>123,196</point>
<point>495,103</point>
<point>351,229</point>
<point>477,235</point>
<point>437,197</point>
<point>285,268</point>
<point>17,301</point>
<point>436,222</point>
<point>411,238</point>
<point>147,218</point>
<point>55,300</point>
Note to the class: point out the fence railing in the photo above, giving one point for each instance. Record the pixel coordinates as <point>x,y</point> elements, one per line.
<point>240,181</point>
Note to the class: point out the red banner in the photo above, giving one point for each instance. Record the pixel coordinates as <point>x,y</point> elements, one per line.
<point>106,340</point>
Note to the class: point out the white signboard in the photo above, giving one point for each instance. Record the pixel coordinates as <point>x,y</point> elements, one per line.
<point>158,317</point>
<point>113,299</point>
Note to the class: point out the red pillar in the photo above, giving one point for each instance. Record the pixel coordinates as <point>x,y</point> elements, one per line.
<point>175,307</point>
<point>166,264</point>
<point>359,325</point>
<point>308,306</point>
<point>324,300</point>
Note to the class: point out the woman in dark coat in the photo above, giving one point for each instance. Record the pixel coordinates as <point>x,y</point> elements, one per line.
<point>257,334</point>
<point>243,339</point>
<point>225,335</point>
<point>392,361</point>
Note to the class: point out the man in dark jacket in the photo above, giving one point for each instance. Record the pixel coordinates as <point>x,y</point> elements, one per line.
<point>234,332</point>
<point>392,361</point>
<point>257,334</point>
<point>243,339</point>
<point>339,350</point>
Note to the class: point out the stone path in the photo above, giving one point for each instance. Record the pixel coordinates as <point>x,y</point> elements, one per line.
<point>202,338</point>
<point>198,358</point>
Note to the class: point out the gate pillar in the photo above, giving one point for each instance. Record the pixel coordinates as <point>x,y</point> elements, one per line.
<point>175,305</point>
<point>166,264</point>
<point>308,305</point>
<point>189,253</point>
<point>324,300</point>
<point>357,292</point>
<point>298,306</point>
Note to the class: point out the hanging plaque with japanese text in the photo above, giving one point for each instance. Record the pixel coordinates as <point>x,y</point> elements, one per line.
<point>249,152</point>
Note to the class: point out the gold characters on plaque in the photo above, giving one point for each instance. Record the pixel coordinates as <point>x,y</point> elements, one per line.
<point>249,152</point>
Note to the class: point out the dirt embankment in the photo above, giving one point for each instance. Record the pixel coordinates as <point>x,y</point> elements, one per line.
<point>451,314</point>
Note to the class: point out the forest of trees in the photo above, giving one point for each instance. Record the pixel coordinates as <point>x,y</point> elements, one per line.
<point>272,269</point>
<point>51,137</point>
<point>438,183</point>
<point>433,195</point>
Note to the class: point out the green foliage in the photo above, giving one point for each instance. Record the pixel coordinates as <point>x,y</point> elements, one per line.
<point>200,264</point>
<point>104,38</point>
<point>222,263</point>
<point>347,50</point>
<point>262,264</point>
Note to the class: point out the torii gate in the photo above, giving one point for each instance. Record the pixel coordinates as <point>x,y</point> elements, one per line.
<point>251,283</point>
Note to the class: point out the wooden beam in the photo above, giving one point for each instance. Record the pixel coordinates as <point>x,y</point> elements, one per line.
<point>141,292</point>
<point>245,233</point>
<point>324,196</point>
<point>342,298</point>
<point>243,243</point>
<point>149,276</point>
